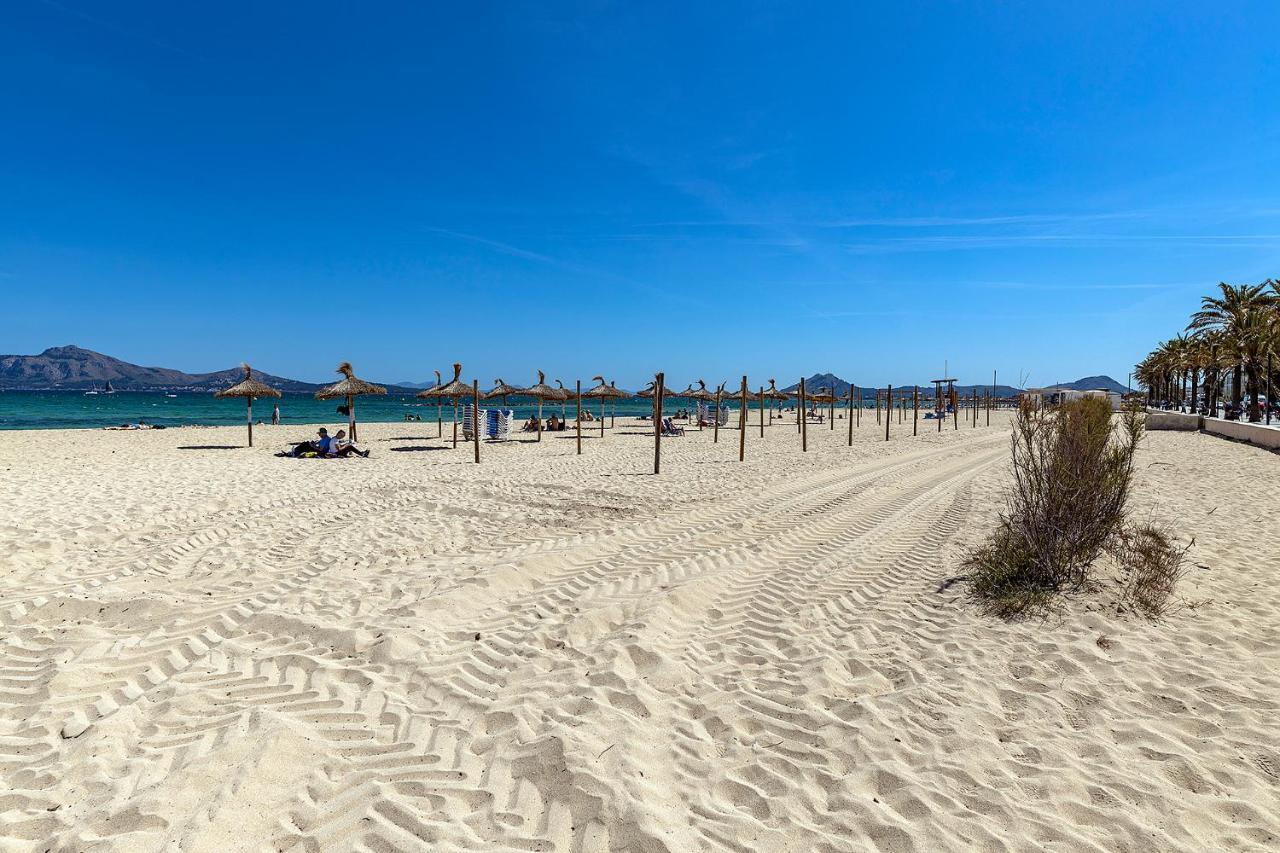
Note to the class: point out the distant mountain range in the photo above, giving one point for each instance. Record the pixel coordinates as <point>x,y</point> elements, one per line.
<point>76,369</point>
<point>830,380</point>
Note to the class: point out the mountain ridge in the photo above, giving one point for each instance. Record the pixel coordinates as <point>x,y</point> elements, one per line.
<point>74,368</point>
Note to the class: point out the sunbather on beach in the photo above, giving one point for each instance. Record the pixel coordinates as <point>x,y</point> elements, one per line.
<point>554,424</point>
<point>530,425</point>
<point>342,446</point>
<point>319,446</point>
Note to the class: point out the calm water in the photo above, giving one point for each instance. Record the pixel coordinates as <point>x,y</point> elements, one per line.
<point>73,409</point>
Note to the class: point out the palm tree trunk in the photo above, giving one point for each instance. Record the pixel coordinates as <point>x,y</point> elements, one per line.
<point>1255,413</point>
<point>1235,386</point>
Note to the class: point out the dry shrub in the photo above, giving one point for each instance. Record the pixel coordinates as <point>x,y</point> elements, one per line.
<point>1072,472</point>
<point>1153,564</point>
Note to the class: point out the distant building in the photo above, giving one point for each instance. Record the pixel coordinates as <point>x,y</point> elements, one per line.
<point>1057,396</point>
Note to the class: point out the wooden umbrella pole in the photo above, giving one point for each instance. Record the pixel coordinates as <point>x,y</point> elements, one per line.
<point>955,408</point>
<point>742,424</point>
<point>439,420</point>
<point>851,416</point>
<point>351,417</point>
<point>475,416</point>
<point>249,417</point>
<point>762,411</point>
<point>715,418</point>
<point>455,421</point>
<point>888,408</point>
<point>804,432</point>
<point>579,417</point>
<point>539,416</point>
<point>915,409</point>
<point>975,409</point>
<point>657,422</point>
<point>602,417</point>
<point>857,412</point>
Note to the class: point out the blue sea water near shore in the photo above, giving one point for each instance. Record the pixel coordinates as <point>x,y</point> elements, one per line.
<point>77,410</point>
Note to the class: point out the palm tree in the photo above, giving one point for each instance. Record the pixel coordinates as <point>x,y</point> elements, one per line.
<point>1234,313</point>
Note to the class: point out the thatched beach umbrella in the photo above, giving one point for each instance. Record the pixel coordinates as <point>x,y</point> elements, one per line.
<point>700,394</point>
<point>565,396</point>
<point>453,390</point>
<point>350,387</point>
<point>501,389</point>
<point>248,388</point>
<point>603,391</point>
<point>541,391</point>
<point>772,393</point>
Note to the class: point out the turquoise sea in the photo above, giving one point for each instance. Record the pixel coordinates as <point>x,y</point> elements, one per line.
<point>75,409</point>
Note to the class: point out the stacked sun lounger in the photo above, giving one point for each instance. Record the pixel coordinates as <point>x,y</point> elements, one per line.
<point>497,424</point>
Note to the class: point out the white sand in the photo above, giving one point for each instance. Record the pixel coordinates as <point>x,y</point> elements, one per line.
<point>215,649</point>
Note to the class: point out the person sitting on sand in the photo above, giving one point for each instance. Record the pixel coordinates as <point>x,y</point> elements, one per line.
<point>530,425</point>
<point>320,445</point>
<point>554,424</point>
<point>342,446</point>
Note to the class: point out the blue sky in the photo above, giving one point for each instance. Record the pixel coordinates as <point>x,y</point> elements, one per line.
<point>711,189</point>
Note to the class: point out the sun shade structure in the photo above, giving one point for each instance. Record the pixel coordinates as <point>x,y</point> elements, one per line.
<point>541,391</point>
<point>603,391</point>
<point>453,390</point>
<point>501,389</point>
<point>350,387</point>
<point>248,388</point>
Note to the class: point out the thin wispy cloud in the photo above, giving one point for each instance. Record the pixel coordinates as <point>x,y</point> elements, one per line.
<point>975,241</point>
<point>497,246</point>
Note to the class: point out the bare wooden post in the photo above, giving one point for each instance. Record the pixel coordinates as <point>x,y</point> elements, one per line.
<point>975,408</point>
<point>249,417</point>
<point>888,407</point>
<point>915,409</point>
<point>715,417</point>
<point>992,398</point>
<point>762,411</point>
<point>858,410</point>
<point>475,416</point>
<point>578,418</point>
<point>851,416</point>
<point>955,408</point>
<point>804,421</point>
<point>657,422</point>
<point>742,424</point>
<point>831,415</point>
<point>939,411</point>
<point>877,405</point>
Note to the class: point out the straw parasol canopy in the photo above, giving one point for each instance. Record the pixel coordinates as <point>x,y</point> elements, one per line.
<point>541,391</point>
<point>501,389</point>
<point>772,392</point>
<point>248,388</point>
<point>350,387</point>
<point>822,395</point>
<point>452,390</point>
<point>604,391</point>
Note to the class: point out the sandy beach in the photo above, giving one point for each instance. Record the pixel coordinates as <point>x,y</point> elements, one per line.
<point>204,647</point>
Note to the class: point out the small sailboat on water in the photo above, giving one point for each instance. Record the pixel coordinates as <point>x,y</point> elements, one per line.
<point>109,389</point>
<point>92,392</point>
